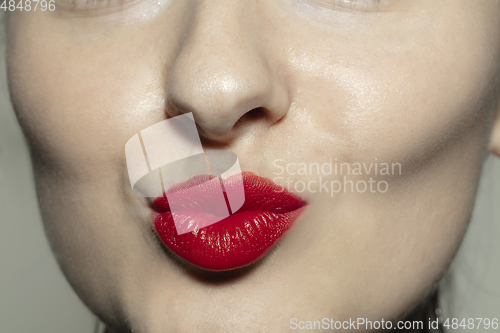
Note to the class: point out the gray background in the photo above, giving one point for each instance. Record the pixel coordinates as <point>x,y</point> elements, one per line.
<point>35,297</point>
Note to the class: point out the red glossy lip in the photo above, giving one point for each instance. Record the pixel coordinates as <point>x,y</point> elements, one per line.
<point>238,240</point>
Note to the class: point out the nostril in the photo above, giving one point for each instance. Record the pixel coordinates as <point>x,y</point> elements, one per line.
<point>252,116</point>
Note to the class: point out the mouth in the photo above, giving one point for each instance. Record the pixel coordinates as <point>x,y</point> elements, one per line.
<point>237,240</point>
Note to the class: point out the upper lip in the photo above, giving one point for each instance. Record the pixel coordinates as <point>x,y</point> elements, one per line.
<point>260,195</point>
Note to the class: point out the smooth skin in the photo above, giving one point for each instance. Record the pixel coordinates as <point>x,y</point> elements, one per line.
<point>414,82</point>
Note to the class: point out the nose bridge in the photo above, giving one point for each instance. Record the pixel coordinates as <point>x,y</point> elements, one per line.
<point>219,73</point>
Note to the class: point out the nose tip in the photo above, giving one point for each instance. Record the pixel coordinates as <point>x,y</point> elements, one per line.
<point>221,73</point>
<point>218,102</point>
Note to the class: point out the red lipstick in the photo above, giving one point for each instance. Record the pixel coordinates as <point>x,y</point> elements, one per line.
<point>238,240</point>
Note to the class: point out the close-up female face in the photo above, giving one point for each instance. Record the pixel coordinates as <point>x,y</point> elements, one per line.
<point>402,93</point>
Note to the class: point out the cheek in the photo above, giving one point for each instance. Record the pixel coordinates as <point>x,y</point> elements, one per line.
<point>415,96</point>
<point>399,94</point>
<point>80,98</point>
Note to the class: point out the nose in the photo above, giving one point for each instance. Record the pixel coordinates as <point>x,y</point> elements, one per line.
<point>222,71</point>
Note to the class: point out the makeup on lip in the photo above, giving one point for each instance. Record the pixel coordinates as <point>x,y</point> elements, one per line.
<point>207,211</point>
<point>237,240</point>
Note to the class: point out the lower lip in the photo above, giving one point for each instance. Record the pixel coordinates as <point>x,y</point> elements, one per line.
<point>240,239</point>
